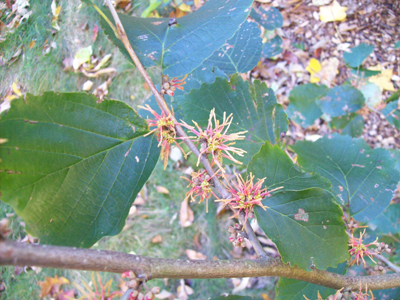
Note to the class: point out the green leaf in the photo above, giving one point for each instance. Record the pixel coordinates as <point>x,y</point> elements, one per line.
<point>182,47</point>
<point>395,153</point>
<point>241,53</point>
<point>302,214</point>
<point>364,73</point>
<point>391,294</point>
<point>232,297</point>
<point>387,222</point>
<point>397,45</point>
<point>254,109</point>
<point>273,164</point>
<point>193,81</point>
<point>372,94</point>
<point>273,47</point>
<point>392,113</point>
<point>269,19</point>
<point>341,100</point>
<point>306,227</point>
<point>74,166</point>
<point>357,55</point>
<point>303,108</point>
<point>292,289</point>
<point>152,6</point>
<point>363,179</point>
<point>352,124</point>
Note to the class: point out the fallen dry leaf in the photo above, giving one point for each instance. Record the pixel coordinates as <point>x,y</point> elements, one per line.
<point>56,12</point>
<point>87,86</point>
<point>243,284</point>
<point>195,255</point>
<point>383,80</point>
<point>314,67</point>
<point>184,291</point>
<point>324,73</point>
<point>102,90</point>
<point>186,216</point>
<point>82,55</point>
<point>162,190</point>
<point>132,210</point>
<point>332,12</point>
<point>265,296</point>
<point>157,239</point>
<point>32,44</point>
<point>185,8</point>
<point>51,285</point>
<point>13,93</point>
<point>163,295</point>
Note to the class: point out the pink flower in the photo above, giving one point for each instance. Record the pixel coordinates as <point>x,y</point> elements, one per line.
<point>201,185</point>
<point>214,140</point>
<point>166,133</point>
<point>169,86</point>
<point>359,249</point>
<point>246,194</point>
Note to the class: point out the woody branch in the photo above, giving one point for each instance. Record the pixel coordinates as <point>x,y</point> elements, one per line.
<point>22,254</point>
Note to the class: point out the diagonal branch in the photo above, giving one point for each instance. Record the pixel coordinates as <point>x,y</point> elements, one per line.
<point>21,254</point>
<point>181,133</point>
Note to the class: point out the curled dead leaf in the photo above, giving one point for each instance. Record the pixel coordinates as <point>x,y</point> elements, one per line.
<point>157,239</point>
<point>195,255</point>
<point>51,285</point>
<point>164,295</point>
<point>162,190</point>
<point>87,86</point>
<point>186,215</point>
<point>184,291</point>
<point>332,12</point>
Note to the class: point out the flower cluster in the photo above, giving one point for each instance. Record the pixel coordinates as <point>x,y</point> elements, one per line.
<point>358,249</point>
<point>363,296</point>
<point>237,236</point>
<point>200,184</point>
<point>214,139</point>
<point>169,86</point>
<point>133,283</point>
<point>246,194</point>
<point>166,133</point>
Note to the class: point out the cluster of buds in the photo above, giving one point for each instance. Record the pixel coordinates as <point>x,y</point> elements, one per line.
<point>133,283</point>
<point>351,225</point>
<point>150,295</point>
<point>215,141</point>
<point>359,250</point>
<point>165,131</point>
<point>201,184</point>
<point>382,247</point>
<point>132,280</point>
<point>169,86</point>
<point>237,236</point>
<point>246,194</point>
<point>379,268</point>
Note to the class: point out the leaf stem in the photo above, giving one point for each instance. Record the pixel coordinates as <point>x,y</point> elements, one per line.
<point>393,97</point>
<point>179,130</point>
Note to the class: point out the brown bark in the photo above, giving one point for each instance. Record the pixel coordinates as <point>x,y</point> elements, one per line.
<point>21,254</point>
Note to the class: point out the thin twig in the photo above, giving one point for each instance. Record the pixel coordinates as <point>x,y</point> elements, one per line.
<point>179,130</point>
<point>387,262</point>
<point>24,254</point>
